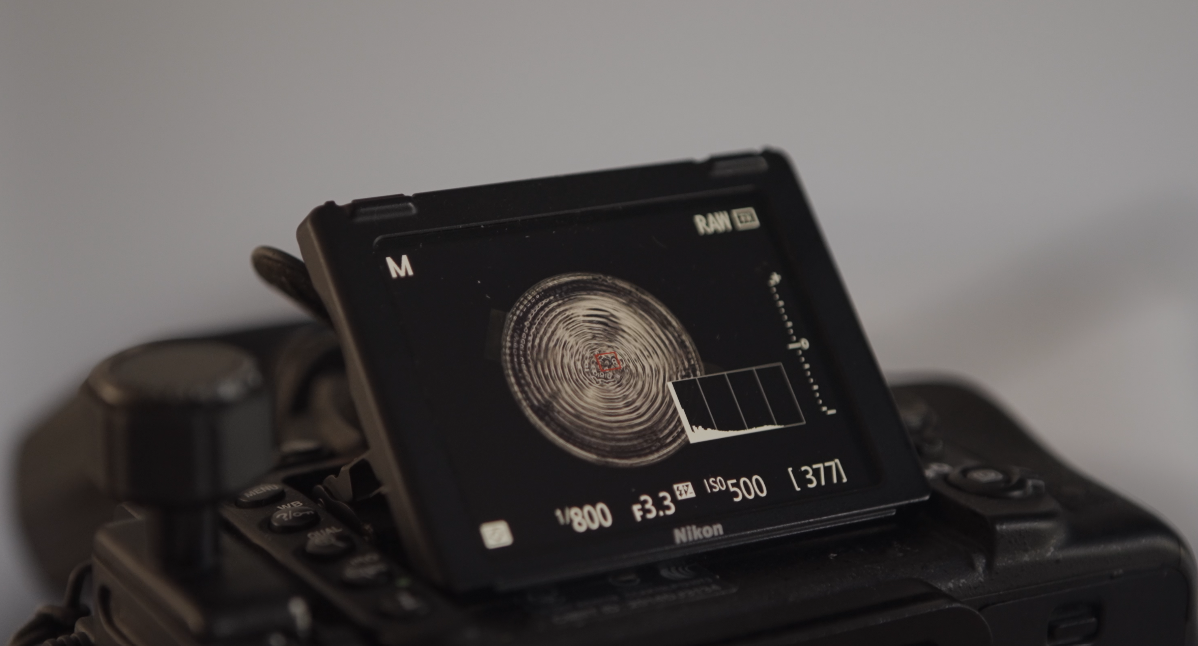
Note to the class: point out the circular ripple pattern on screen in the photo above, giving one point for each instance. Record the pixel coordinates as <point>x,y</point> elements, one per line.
<point>589,357</point>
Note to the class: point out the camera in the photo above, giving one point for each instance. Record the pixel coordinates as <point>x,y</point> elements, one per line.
<point>632,406</point>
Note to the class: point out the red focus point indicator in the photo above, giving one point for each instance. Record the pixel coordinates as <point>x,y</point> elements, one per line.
<point>608,361</point>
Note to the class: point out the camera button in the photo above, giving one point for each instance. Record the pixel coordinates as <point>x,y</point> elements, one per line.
<point>930,448</point>
<point>326,544</point>
<point>403,604</point>
<point>260,496</point>
<point>983,480</point>
<point>293,519</point>
<point>366,570</point>
<point>937,470</point>
<point>997,482</point>
<point>985,476</point>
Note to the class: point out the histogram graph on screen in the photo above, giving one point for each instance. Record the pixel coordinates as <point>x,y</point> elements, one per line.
<point>736,402</point>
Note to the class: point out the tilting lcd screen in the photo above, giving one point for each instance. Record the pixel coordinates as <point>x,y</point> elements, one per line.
<point>597,374</point>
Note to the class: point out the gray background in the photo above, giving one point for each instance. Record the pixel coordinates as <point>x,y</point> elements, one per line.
<point>1010,188</point>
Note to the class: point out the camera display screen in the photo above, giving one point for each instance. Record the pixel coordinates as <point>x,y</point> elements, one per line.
<point>651,371</point>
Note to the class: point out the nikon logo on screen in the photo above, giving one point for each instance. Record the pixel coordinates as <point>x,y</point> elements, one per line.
<point>691,533</point>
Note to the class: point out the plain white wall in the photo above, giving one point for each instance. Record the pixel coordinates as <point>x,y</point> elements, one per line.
<point>1011,189</point>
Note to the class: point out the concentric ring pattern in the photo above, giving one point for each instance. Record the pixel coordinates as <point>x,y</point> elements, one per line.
<point>588,358</point>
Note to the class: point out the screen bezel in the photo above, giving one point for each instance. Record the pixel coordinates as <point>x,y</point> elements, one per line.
<point>338,243</point>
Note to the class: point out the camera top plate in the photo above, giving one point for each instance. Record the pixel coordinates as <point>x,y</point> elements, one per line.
<point>568,375</point>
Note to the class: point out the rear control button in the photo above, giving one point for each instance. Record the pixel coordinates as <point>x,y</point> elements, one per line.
<point>986,476</point>
<point>366,570</point>
<point>930,448</point>
<point>917,416</point>
<point>259,496</point>
<point>403,604</point>
<point>996,482</point>
<point>328,544</point>
<point>293,519</point>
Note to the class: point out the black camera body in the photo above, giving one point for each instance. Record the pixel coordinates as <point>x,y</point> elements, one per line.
<point>513,427</point>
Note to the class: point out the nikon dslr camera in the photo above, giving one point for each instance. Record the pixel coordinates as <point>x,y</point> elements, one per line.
<point>631,406</point>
